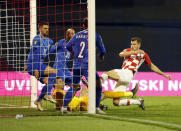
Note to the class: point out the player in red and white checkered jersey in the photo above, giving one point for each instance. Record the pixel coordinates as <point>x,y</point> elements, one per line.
<point>133,58</point>
<point>134,61</point>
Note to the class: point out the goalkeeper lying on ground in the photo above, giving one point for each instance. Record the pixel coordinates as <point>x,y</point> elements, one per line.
<point>80,103</point>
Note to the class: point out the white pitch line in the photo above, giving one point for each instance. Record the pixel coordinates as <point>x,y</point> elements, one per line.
<point>140,120</point>
<point>13,106</point>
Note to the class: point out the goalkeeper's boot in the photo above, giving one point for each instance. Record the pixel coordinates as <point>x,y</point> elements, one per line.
<point>38,104</point>
<point>142,106</point>
<point>50,99</point>
<point>134,91</point>
<point>102,107</point>
<point>99,111</point>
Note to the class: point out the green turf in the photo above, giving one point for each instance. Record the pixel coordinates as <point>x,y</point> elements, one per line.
<point>72,123</point>
<point>161,109</point>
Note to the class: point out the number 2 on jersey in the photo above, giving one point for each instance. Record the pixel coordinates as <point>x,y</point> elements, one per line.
<point>82,44</point>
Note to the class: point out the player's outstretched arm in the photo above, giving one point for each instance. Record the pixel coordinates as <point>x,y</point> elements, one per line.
<point>157,70</point>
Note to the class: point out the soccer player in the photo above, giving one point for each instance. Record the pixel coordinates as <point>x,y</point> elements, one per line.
<point>78,103</point>
<point>133,58</point>
<point>78,46</point>
<point>62,56</point>
<point>35,61</point>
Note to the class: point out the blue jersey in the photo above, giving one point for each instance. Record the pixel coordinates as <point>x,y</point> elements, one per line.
<point>100,45</point>
<point>38,51</point>
<point>78,46</point>
<point>62,55</point>
<point>61,61</point>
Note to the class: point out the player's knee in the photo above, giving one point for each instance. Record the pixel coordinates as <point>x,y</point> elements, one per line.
<point>116,102</point>
<point>45,80</point>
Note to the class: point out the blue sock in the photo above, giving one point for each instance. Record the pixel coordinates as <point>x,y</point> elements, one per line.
<point>51,81</point>
<point>98,96</point>
<point>42,94</point>
<point>68,96</point>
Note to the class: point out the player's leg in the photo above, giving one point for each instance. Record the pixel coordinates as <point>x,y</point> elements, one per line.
<point>120,94</point>
<point>122,102</point>
<point>72,90</point>
<point>49,81</point>
<point>58,95</point>
<point>45,70</point>
<point>123,78</point>
<point>123,83</point>
<point>66,78</point>
<point>58,91</point>
<point>98,94</point>
<point>112,74</point>
<point>32,72</point>
<point>49,70</point>
<point>42,94</point>
<point>127,102</point>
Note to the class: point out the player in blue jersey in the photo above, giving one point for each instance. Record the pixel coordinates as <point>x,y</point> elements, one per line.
<point>78,45</point>
<point>35,61</point>
<point>62,57</point>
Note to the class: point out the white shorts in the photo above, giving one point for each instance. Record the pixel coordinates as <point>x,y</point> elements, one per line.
<point>125,76</point>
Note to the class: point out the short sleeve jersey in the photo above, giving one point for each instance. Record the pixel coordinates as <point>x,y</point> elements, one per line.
<point>133,62</point>
<point>39,50</point>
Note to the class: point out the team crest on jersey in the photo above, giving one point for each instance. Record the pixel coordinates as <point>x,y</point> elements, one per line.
<point>35,42</point>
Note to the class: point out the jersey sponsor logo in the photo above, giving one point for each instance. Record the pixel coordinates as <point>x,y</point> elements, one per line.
<point>35,42</point>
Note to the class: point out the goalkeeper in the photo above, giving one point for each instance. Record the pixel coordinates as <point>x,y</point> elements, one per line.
<point>78,103</point>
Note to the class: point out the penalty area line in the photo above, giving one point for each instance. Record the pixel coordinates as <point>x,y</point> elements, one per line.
<point>159,123</point>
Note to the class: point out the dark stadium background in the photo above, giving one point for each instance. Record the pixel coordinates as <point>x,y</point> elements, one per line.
<point>158,22</point>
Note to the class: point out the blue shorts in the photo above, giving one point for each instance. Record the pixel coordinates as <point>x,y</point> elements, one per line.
<point>78,73</point>
<point>41,69</point>
<point>97,76</point>
<point>65,76</point>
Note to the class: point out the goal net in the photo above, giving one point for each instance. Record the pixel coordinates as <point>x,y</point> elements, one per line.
<point>18,26</point>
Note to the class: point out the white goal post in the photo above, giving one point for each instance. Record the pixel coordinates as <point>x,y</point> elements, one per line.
<point>33,33</point>
<point>92,56</point>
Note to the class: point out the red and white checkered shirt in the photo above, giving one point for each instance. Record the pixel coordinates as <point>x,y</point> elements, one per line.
<point>134,61</point>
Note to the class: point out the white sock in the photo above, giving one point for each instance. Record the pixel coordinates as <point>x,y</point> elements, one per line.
<point>64,108</point>
<point>126,102</point>
<point>104,77</point>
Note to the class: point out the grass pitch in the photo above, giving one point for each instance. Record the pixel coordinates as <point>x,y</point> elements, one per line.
<point>162,113</point>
